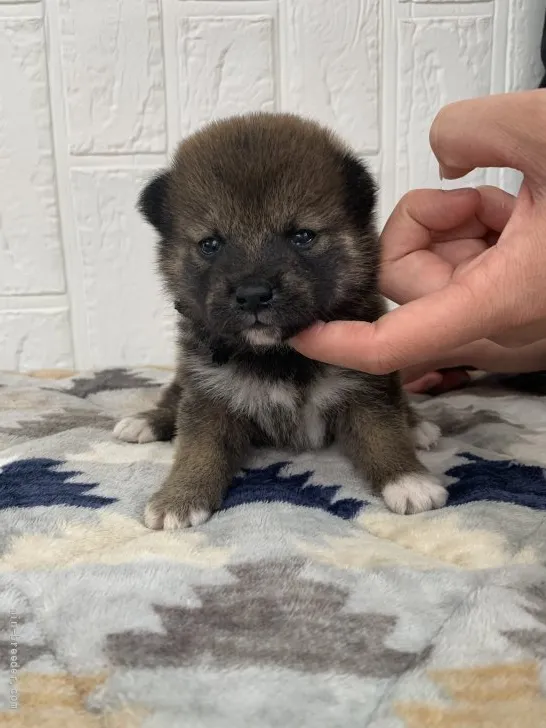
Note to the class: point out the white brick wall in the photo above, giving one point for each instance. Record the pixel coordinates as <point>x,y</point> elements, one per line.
<point>94,95</point>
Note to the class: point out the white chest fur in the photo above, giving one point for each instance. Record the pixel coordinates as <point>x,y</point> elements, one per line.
<point>324,395</point>
<point>279,409</point>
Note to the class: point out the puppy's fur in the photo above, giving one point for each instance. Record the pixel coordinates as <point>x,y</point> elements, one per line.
<point>250,184</point>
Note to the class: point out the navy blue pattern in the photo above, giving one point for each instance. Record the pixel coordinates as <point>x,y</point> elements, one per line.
<point>36,482</point>
<point>268,485</point>
<point>497,480</point>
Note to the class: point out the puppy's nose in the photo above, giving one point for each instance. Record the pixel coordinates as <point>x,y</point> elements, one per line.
<point>253,295</point>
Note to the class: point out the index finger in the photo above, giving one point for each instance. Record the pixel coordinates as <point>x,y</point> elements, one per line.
<point>420,331</point>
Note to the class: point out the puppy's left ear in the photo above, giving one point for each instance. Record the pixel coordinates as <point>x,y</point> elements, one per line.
<point>153,204</point>
<point>360,190</point>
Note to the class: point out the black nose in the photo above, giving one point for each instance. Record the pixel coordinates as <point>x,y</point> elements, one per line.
<point>253,295</point>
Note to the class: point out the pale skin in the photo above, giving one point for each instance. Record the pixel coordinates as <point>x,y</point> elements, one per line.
<point>467,267</point>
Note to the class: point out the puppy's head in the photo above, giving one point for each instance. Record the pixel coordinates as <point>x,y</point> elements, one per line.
<point>265,226</point>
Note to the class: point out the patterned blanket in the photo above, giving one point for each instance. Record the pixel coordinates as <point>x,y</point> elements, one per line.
<point>302,603</point>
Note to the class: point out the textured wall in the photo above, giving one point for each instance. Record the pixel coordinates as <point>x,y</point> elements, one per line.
<point>94,94</point>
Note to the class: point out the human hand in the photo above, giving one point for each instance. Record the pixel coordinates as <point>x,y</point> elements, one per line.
<point>430,235</point>
<point>444,232</point>
<point>451,371</point>
<point>475,274</point>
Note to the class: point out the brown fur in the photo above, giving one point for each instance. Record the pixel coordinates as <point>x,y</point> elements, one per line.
<point>251,182</point>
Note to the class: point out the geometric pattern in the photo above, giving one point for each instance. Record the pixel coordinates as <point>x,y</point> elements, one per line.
<point>303,601</point>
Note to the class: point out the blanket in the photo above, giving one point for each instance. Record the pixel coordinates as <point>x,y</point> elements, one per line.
<point>303,602</point>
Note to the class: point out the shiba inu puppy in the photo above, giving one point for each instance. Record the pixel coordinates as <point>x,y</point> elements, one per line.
<point>266,225</point>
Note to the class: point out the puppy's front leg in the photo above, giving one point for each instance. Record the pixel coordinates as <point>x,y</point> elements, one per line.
<point>210,447</point>
<point>378,441</point>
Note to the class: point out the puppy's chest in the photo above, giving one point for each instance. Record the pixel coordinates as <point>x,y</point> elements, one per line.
<point>298,417</point>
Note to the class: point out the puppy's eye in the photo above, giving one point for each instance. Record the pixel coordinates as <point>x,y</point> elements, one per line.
<point>210,246</point>
<point>302,239</point>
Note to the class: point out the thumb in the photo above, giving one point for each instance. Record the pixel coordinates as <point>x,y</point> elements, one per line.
<point>417,332</point>
<point>501,130</point>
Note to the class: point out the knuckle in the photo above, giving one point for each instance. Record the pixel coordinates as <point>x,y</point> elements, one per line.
<point>385,361</point>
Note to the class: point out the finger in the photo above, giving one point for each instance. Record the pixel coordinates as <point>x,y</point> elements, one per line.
<point>425,383</point>
<point>486,355</point>
<point>421,212</point>
<point>461,358</point>
<point>420,331</point>
<point>490,218</point>
<point>521,336</point>
<point>493,131</point>
<point>421,271</point>
<point>496,207</point>
<point>495,358</point>
<point>409,267</point>
<point>416,275</point>
<point>479,232</point>
<point>455,252</point>
<point>451,379</point>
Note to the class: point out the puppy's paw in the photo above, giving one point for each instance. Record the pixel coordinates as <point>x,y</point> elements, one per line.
<point>414,493</point>
<point>134,429</point>
<point>426,435</point>
<point>171,511</point>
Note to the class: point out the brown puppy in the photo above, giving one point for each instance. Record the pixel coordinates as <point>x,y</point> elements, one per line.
<point>266,225</point>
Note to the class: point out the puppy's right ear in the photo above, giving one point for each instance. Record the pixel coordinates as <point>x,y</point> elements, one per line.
<point>153,204</point>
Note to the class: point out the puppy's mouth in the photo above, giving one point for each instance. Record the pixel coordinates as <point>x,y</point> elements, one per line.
<point>261,335</point>
<point>267,328</point>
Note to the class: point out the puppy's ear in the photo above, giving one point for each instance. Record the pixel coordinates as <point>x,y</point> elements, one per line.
<point>360,190</point>
<point>153,204</point>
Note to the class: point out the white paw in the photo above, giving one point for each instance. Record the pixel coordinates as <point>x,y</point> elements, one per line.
<point>414,493</point>
<point>426,435</point>
<point>172,519</point>
<point>134,429</point>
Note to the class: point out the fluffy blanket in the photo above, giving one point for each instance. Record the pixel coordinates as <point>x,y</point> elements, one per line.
<point>302,603</point>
